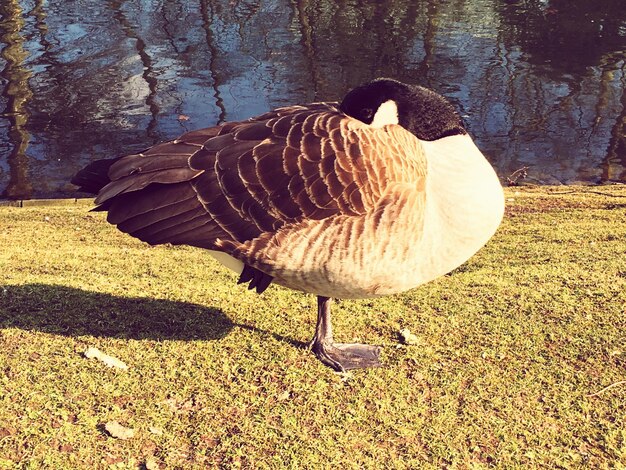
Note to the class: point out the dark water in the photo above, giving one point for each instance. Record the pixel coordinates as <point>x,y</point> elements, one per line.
<point>541,83</point>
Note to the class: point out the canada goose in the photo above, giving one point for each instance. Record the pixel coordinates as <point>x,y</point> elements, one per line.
<point>370,197</point>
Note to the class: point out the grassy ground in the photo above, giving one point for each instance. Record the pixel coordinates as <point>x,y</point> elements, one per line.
<point>510,346</point>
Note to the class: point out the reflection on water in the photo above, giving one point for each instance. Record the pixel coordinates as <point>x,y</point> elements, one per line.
<point>17,94</point>
<point>540,83</point>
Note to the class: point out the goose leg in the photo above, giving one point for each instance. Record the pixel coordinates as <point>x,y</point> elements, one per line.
<point>339,356</point>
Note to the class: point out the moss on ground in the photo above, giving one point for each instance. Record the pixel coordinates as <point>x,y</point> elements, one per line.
<point>510,346</point>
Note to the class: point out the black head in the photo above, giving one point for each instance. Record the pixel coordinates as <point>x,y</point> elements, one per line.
<point>426,114</point>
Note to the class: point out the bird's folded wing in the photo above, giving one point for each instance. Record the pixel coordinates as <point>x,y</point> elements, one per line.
<point>237,181</point>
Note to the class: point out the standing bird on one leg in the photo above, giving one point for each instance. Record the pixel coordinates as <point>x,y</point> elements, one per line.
<point>370,197</point>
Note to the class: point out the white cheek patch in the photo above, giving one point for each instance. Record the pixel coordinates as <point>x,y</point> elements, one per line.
<point>387,113</point>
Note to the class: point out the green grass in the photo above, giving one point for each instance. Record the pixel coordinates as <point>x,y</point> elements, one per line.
<point>510,346</point>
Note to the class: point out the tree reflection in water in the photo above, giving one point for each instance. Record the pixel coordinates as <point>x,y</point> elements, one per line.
<point>539,83</point>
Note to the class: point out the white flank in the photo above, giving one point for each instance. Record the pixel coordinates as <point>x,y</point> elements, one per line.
<point>231,263</point>
<point>387,113</point>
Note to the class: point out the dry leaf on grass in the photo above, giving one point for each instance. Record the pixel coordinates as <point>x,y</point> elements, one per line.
<point>94,353</point>
<point>408,338</point>
<point>152,464</point>
<point>118,431</point>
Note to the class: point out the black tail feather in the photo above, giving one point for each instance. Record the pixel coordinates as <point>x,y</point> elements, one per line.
<point>94,176</point>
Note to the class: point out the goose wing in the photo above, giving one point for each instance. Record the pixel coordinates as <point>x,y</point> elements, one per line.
<point>220,187</point>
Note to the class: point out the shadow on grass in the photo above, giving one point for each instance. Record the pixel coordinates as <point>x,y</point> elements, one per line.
<point>75,312</point>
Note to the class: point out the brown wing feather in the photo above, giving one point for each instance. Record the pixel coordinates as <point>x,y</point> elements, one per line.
<point>223,186</point>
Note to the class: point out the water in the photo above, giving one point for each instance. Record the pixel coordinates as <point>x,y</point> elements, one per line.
<point>540,83</point>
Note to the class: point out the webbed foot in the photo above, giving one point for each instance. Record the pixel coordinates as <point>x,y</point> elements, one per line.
<point>347,356</point>
<point>339,356</point>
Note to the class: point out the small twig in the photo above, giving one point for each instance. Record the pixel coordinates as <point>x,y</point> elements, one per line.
<point>514,177</point>
<point>606,388</point>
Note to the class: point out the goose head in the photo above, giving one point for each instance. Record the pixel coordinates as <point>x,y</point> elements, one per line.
<point>424,113</point>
